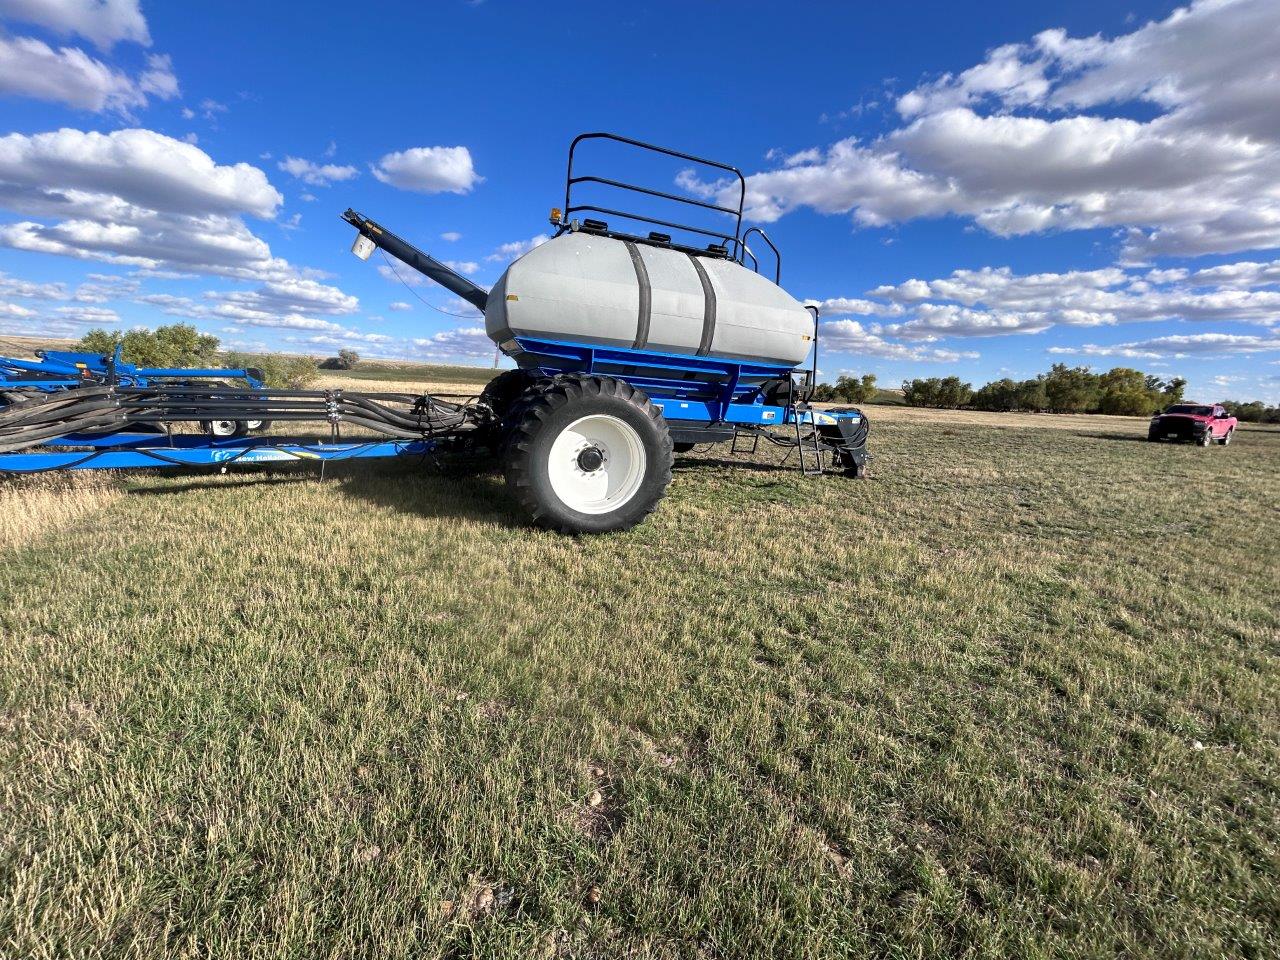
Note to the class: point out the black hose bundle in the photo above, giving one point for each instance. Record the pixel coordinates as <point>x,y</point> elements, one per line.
<point>33,418</point>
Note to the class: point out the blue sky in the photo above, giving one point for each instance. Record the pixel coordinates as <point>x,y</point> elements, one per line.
<point>979,189</point>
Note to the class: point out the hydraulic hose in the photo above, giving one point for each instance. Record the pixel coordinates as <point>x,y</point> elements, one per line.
<point>38,418</point>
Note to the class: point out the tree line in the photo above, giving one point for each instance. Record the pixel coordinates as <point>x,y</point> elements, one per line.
<point>1121,391</point>
<point>182,345</point>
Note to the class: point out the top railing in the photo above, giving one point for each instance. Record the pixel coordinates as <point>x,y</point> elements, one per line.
<point>731,241</point>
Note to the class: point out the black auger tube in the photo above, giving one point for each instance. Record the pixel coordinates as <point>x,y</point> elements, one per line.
<point>424,263</point>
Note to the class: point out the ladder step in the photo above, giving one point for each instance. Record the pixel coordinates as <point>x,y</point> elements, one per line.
<point>814,468</point>
<point>755,442</point>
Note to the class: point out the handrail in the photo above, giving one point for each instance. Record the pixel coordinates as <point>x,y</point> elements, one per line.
<point>777,273</point>
<point>656,222</point>
<point>654,193</point>
<point>570,180</point>
<point>814,376</point>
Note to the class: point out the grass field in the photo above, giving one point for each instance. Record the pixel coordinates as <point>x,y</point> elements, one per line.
<point>1017,694</point>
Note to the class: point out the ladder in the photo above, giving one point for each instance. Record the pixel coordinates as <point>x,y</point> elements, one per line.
<point>814,468</point>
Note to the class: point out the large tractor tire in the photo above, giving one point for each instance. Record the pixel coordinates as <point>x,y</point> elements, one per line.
<point>589,455</point>
<point>502,392</point>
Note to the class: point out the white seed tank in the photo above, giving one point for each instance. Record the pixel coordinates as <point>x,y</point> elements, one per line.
<point>586,288</point>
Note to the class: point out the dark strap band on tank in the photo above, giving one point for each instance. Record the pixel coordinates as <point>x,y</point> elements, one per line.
<point>709,306</point>
<point>646,296</point>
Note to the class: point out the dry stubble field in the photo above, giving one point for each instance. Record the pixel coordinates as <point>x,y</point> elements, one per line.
<point>1016,694</point>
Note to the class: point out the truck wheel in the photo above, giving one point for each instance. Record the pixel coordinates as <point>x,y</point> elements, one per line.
<point>1207,438</point>
<point>589,455</point>
<point>223,429</point>
<point>1226,438</point>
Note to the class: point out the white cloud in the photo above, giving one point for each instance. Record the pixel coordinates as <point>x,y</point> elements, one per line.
<point>451,236</point>
<point>290,321</point>
<point>994,300</point>
<point>27,289</point>
<point>343,339</point>
<point>399,306</point>
<point>221,246</point>
<point>517,248</point>
<point>934,320</point>
<point>319,175</point>
<point>396,270</point>
<point>32,68</point>
<point>429,170</point>
<point>136,197</point>
<point>466,267</point>
<point>1197,177</point>
<point>135,166</point>
<point>857,307</point>
<point>251,314</point>
<point>9,310</point>
<point>102,22</point>
<point>294,296</point>
<point>1199,344</point>
<point>87,315</point>
<point>102,288</point>
<point>465,342</point>
<point>286,304</point>
<point>850,336</point>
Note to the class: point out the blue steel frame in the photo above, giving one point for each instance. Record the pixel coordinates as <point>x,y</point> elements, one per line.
<point>61,369</point>
<point>156,450</point>
<point>65,370</point>
<point>703,390</point>
<point>688,390</point>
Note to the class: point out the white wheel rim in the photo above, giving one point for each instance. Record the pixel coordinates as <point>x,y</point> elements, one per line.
<point>252,424</point>
<point>587,488</point>
<point>222,428</point>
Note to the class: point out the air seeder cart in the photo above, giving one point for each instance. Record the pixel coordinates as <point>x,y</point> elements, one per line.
<point>629,344</point>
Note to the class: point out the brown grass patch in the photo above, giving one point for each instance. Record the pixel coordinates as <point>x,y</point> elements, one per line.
<point>32,508</point>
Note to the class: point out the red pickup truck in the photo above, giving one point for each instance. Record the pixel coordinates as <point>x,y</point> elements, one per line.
<point>1200,423</point>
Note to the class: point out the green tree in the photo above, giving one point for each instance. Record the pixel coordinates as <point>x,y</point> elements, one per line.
<point>345,360</point>
<point>278,370</point>
<point>856,389</point>
<point>920,393</point>
<point>175,345</point>
<point>1127,392</point>
<point>848,389</point>
<point>1171,391</point>
<point>1254,411</point>
<point>999,395</point>
<point>1070,389</point>
<point>1031,396</point>
<point>954,393</point>
<point>949,392</point>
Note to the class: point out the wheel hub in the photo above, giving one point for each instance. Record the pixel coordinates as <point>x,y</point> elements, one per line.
<point>590,459</point>
<point>596,464</point>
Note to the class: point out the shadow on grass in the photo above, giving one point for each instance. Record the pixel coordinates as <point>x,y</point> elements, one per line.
<point>685,462</point>
<point>464,490</point>
<point>204,480</point>
<point>461,488</point>
<point>1125,437</point>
